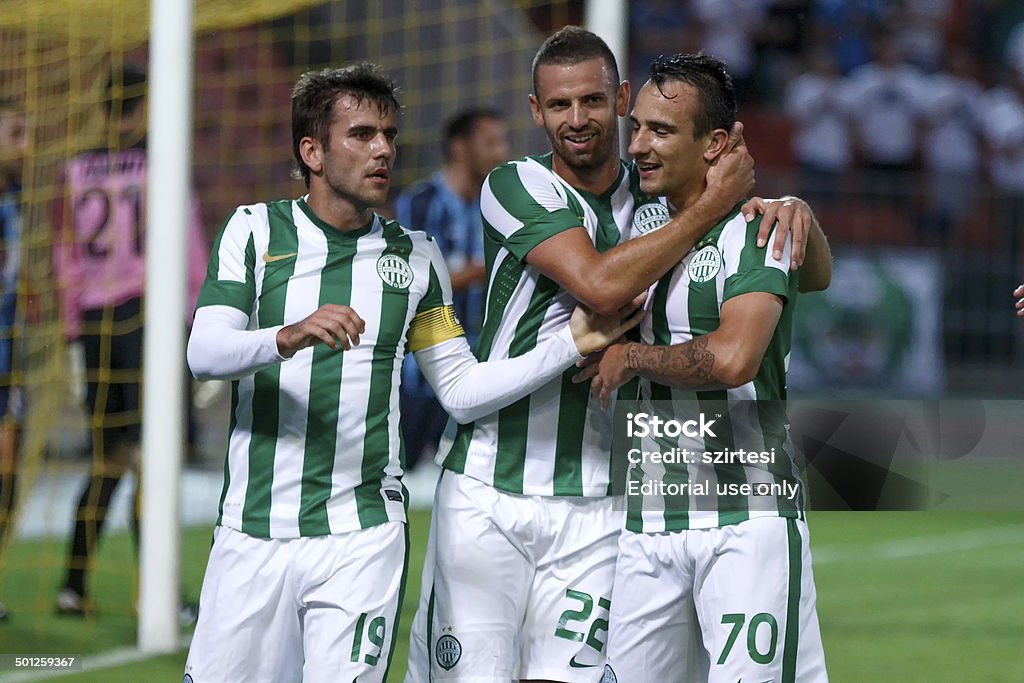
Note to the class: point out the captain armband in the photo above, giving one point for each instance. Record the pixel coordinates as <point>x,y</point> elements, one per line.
<point>434,326</point>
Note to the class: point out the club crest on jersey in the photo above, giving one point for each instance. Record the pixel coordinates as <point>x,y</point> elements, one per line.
<point>649,217</point>
<point>448,651</point>
<point>705,264</point>
<point>394,271</point>
<point>609,675</point>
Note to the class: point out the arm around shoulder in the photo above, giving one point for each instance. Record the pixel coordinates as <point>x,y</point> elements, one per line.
<point>469,390</point>
<point>605,282</point>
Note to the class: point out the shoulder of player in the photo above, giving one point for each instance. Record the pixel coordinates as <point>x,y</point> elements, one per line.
<point>735,227</point>
<point>256,219</point>
<point>252,213</point>
<point>391,228</point>
<point>524,172</point>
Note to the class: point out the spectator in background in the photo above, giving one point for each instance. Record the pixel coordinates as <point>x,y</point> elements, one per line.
<point>920,27</point>
<point>951,154</point>
<point>447,207</point>
<point>1004,134</point>
<point>100,265</point>
<point>1015,47</point>
<point>847,27</point>
<point>13,144</point>
<point>658,27</point>
<point>1004,138</point>
<point>727,29</point>
<point>885,97</point>
<point>781,42</point>
<point>822,140</point>
<point>978,23</point>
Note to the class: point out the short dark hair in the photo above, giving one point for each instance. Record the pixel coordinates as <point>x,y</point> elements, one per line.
<point>315,93</point>
<point>462,124</point>
<point>573,45</point>
<point>716,96</point>
<point>126,85</point>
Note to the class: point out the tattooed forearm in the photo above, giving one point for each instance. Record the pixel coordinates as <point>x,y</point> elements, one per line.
<point>687,366</point>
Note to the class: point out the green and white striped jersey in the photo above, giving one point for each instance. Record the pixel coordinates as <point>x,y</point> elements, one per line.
<point>314,446</point>
<point>694,490</point>
<point>556,441</point>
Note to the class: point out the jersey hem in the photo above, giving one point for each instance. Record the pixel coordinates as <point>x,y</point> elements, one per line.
<point>283,531</point>
<point>730,519</point>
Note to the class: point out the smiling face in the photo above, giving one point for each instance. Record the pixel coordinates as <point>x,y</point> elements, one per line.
<point>354,166</point>
<point>579,105</point>
<point>670,160</point>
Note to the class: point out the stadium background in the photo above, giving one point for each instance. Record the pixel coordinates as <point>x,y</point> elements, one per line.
<point>904,596</point>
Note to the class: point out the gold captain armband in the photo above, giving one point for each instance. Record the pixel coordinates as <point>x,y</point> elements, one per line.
<point>433,327</point>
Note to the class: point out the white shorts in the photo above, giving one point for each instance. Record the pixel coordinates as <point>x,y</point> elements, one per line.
<point>314,609</point>
<point>521,585</point>
<point>719,605</point>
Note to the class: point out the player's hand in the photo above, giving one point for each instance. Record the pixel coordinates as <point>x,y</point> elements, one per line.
<point>608,371</point>
<point>730,177</point>
<point>331,324</point>
<point>593,332</point>
<point>1019,293</point>
<point>792,215</point>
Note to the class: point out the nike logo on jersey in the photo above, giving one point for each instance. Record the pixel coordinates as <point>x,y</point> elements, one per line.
<point>573,664</point>
<point>267,258</point>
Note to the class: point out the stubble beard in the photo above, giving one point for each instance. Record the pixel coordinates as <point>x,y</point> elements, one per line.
<point>587,163</point>
<point>362,199</point>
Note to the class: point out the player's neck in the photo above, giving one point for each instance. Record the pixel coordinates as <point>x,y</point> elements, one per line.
<point>337,212</point>
<point>595,180</point>
<point>684,199</point>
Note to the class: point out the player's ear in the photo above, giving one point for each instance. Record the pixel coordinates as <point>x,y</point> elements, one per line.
<point>717,143</point>
<point>312,154</point>
<point>535,108</point>
<point>622,99</point>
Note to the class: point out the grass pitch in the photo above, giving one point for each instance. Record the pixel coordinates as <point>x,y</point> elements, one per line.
<point>902,597</point>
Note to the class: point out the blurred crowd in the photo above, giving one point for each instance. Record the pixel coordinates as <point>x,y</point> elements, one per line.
<point>921,94</point>
<point>902,121</point>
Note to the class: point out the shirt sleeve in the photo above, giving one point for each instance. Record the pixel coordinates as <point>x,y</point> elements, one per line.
<point>753,268</point>
<point>230,276</point>
<point>221,347</point>
<point>469,389</point>
<point>522,205</point>
<point>435,320</point>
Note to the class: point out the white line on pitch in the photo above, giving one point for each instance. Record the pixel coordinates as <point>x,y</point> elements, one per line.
<point>937,544</point>
<point>97,662</point>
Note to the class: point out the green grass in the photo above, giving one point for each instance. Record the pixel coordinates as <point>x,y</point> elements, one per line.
<point>902,597</point>
<point>951,610</point>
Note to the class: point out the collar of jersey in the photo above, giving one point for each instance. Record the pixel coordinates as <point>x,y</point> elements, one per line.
<point>331,231</point>
<point>547,160</point>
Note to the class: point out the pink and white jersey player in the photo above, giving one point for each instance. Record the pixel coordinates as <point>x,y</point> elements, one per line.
<point>100,251</point>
